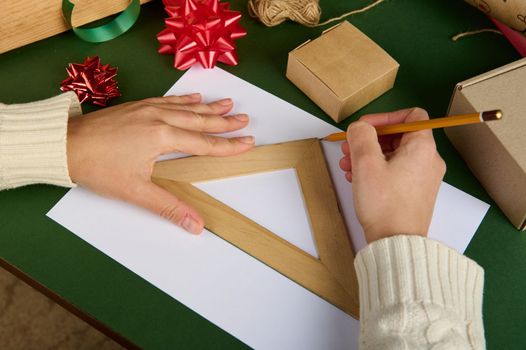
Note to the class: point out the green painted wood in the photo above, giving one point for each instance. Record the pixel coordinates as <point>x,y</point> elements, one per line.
<point>416,33</point>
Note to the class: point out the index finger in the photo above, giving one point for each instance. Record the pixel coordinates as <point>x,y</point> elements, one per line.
<point>390,142</point>
<point>387,118</point>
<point>426,136</point>
<point>191,142</point>
<point>176,99</point>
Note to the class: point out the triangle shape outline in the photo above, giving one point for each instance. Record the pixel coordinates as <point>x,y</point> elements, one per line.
<point>331,276</point>
<point>260,197</point>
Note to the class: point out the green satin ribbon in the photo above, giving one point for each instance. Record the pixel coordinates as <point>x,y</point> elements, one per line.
<point>108,31</point>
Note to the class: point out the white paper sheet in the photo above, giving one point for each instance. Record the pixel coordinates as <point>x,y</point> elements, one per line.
<point>286,216</point>
<point>249,300</point>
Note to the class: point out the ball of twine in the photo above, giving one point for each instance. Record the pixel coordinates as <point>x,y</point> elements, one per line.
<point>273,12</point>
<point>306,12</point>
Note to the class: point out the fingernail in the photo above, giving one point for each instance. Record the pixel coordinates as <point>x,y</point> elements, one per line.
<point>190,225</point>
<point>241,117</point>
<point>225,102</point>
<point>193,96</point>
<point>249,140</point>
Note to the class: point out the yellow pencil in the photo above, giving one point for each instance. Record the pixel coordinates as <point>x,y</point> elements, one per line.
<point>444,122</point>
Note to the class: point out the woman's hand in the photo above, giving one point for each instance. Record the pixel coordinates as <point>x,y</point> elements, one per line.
<point>395,177</point>
<point>113,151</point>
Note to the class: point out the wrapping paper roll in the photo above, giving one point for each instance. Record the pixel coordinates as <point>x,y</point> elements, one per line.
<point>515,38</point>
<point>510,12</point>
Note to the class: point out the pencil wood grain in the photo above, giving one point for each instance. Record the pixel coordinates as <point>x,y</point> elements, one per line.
<point>445,122</point>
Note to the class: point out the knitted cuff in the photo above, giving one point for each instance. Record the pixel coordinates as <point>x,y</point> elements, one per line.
<point>404,269</point>
<point>33,141</point>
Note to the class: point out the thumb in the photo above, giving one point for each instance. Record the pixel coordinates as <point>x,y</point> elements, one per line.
<point>363,143</point>
<point>168,206</point>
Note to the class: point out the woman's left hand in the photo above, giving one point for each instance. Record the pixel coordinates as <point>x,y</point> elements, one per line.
<point>112,151</point>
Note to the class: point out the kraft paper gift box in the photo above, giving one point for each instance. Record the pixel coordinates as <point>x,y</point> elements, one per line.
<point>342,70</point>
<point>496,151</point>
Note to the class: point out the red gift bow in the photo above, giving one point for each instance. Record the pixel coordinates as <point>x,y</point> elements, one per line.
<point>91,81</point>
<point>200,31</point>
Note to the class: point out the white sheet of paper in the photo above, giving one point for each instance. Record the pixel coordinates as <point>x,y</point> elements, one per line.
<point>286,216</point>
<point>249,300</point>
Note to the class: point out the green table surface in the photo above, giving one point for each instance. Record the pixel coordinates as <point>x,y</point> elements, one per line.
<point>415,32</point>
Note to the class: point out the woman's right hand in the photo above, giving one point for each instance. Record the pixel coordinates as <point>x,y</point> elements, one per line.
<point>395,177</point>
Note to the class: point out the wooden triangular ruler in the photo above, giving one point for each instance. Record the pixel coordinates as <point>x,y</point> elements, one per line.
<point>332,276</point>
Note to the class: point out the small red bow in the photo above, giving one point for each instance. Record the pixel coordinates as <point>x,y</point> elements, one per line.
<point>91,81</point>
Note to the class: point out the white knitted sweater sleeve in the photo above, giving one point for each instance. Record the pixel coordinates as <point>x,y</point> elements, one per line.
<point>33,141</point>
<point>416,293</point>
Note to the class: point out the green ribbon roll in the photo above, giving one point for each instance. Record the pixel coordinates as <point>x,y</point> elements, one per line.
<point>108,31</point>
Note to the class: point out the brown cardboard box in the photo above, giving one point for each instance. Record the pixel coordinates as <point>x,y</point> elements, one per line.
<point>342,70</point>
<point>496,151</point>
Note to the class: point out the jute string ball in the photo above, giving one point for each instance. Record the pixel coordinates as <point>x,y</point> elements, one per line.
<point>305,12</point>
<point>274,12</point>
